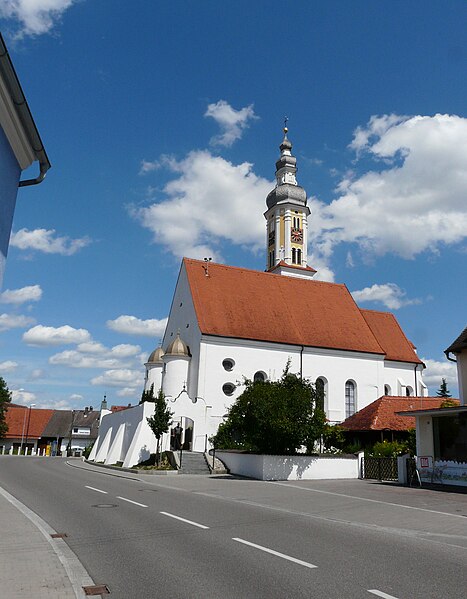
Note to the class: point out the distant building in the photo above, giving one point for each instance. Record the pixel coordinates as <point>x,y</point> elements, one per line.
<point>55,432</point>
<point>227,323</point>
<point>20,147</point>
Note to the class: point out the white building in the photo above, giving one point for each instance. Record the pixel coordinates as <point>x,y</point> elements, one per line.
<point>227,323</point>
<point>20,146</point>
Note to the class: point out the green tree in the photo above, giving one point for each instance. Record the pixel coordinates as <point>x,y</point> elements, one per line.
<point>443,390</point>
<point>160,421</point>
<point>148,395</point>
<point>273,417</point>
<point>5,399</point>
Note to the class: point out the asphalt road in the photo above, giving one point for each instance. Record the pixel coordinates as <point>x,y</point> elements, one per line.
<point>221,537</point>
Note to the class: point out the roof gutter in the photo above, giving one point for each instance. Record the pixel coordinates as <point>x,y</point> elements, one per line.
<point>449,358</point>
<point>8,73</point>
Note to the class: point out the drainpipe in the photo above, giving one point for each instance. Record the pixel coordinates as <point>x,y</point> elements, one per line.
<point>416,387</point>
<point>301,361</point>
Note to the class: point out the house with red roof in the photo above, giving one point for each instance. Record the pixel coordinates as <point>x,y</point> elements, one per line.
<point>39,431</point>
<point>227,323</point>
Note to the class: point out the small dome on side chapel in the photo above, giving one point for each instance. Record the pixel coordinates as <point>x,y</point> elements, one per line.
<point>156,356</point>
<point>178,347</point>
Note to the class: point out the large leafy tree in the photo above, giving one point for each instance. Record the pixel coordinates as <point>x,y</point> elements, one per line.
<point>5,399</point>
<point>160,421</point>
<point>273,417</point>
<point>443,390</point>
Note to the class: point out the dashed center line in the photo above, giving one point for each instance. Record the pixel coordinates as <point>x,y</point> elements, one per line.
<point>184,520</point>
<point>381,594</point>
<point>94,489</point>
<point>131,501</point>
<point>276,553</point>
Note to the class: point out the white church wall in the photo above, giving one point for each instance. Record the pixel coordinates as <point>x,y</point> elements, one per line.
<point>182,318</point>
<point>138,441</point>
<point>400,376</point>
<point>153,377</point>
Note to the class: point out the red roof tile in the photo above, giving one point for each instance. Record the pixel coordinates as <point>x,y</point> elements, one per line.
<point>17,421</point>
<point>248,304</point>
<point>381,414</point>
<point>390,336</point>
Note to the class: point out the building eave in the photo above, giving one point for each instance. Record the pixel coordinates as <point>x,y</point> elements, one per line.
<point>17,121</point>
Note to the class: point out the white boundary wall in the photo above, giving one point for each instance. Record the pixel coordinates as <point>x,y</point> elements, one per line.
<point>270,467</point>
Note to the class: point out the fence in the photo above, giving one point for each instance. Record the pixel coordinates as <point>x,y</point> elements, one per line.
<point>380,468</point>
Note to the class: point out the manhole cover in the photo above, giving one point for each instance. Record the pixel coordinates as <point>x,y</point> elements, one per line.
<point>105,505</point>
<point>98,589</point>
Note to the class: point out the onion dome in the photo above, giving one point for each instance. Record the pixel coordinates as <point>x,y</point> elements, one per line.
<point>178,347</point>
<point>156,356</point>
<point>287,189</point>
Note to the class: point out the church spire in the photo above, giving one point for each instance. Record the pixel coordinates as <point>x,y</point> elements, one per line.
<point>287,215</point>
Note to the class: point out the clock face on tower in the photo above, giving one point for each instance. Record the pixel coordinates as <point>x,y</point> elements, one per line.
<point>297,235</point>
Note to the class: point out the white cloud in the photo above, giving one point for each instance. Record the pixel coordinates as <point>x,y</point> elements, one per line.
<point>232,122</point>
<point>76,397</point>
<point>8,366</point>
<point>148,166</point>
<point>119,356</point>
<point>414,203</point>
<point>35,16</point>
<point>202,203</point>
<point>124,377</point>
<point>389,294</point>
<point>36,374</point>
<point>31,293</point>
<point>51,336</point>
<point>127,392</point>
<point>20,396</point>
<point>435,371</point>
<point>46,241</point>
<point>130,325</point>
<point>10,321</point>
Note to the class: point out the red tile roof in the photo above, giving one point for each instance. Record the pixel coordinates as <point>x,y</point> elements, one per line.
<point>390,336</point>
<point>249,304</point>
<point>17,421</point>
<point>381,414</point>
<point>120,408</point>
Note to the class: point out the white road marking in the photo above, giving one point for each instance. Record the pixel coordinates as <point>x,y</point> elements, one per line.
<point>131,501</point>
<point>381,594</point>
<point>184,520</point>
<point>287,557</point>
<point>94,489</point>
<point>408,507</point>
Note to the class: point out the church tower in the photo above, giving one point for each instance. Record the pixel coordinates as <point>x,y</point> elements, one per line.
<point>287,219</point>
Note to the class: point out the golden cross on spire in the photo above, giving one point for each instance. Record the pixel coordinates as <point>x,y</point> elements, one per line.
<point>285,125</point>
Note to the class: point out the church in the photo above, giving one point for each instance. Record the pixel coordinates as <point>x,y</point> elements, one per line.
<point>228,323</point>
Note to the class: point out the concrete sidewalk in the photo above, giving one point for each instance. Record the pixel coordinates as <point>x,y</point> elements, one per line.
<point>32,563</point>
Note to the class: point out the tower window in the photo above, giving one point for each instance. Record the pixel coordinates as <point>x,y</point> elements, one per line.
<point>294,256</point>
<point>299,256</point>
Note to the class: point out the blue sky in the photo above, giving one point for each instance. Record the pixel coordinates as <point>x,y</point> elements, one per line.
<point>162,122</point>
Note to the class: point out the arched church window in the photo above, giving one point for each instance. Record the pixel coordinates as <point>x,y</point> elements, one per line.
<point>260,377</point>
<point>409,391</point>
<point>321,393</point>
<point>349,398</point>
<point>228,364</point>
<point>387,390</point>
<point>294,256</point>
<point>299,256</point>
<point>228,388</point>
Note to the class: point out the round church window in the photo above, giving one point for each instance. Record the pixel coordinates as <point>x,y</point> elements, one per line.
<point>228,364</point>
<point>228,388</point>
